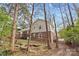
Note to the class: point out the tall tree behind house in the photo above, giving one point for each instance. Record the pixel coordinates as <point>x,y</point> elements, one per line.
<point>65,11</point>
<point>70,15</point>
<point>48,40</point>
<point>62,16</point>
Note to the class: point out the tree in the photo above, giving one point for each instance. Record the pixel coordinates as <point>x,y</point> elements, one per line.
<point>54,23</point>
<point>48,40</point>
<point>15,10</point>
<point>30,26</point>
<point>70,15</point>
<point>71,35</point>
<point>5,23</point>
<point>62,16</point>
<point>14,27</point>
<point>76,9</point>
<point>23,12</point>
<point>55,31</point>
<point>66,16</point>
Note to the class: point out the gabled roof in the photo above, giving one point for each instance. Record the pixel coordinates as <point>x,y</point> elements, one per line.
<point>35,22</point>
<point>43,21</point>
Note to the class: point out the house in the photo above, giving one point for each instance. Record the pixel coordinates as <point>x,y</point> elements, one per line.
<point>39,31</point>
<point>22,34</point>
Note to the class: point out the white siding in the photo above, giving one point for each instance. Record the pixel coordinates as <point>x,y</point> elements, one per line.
<point>36,25</point>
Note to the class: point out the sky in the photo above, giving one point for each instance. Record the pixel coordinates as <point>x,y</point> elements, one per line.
<point>53,8</point>
<point>39,1</point>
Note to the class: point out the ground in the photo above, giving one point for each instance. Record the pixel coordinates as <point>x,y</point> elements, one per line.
<point>39,49</point>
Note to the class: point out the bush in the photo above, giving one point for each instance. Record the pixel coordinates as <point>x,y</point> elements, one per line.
<point>70,34</point>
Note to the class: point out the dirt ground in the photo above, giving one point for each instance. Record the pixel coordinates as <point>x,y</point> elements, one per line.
<point>40,49</point>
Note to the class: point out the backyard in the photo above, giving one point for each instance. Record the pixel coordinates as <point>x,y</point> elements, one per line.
<point>44,29</point>
<point>37,49</point>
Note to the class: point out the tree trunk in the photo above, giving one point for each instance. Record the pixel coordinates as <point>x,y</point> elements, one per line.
<point>30,26</point>
<point>55,32</point>
<point>62,16</point>
<point>48,40</point>
<point>70,15</point>
<point>66,16</point>
<point>14,27</point>
<point>76,9</point>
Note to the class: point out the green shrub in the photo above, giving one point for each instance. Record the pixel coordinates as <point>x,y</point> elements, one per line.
<point>71,34</point>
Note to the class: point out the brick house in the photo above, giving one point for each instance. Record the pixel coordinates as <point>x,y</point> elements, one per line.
<point>39,31</point>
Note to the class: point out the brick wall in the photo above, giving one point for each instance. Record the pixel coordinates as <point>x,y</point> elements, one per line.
<point>42,36</point>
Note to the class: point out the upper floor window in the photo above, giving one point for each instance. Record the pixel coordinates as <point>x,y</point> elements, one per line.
<point>34,27</point>
<point>40,27</point>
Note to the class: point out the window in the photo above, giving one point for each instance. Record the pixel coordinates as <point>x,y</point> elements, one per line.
<point>34,27</point>
<point>40,27</point>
